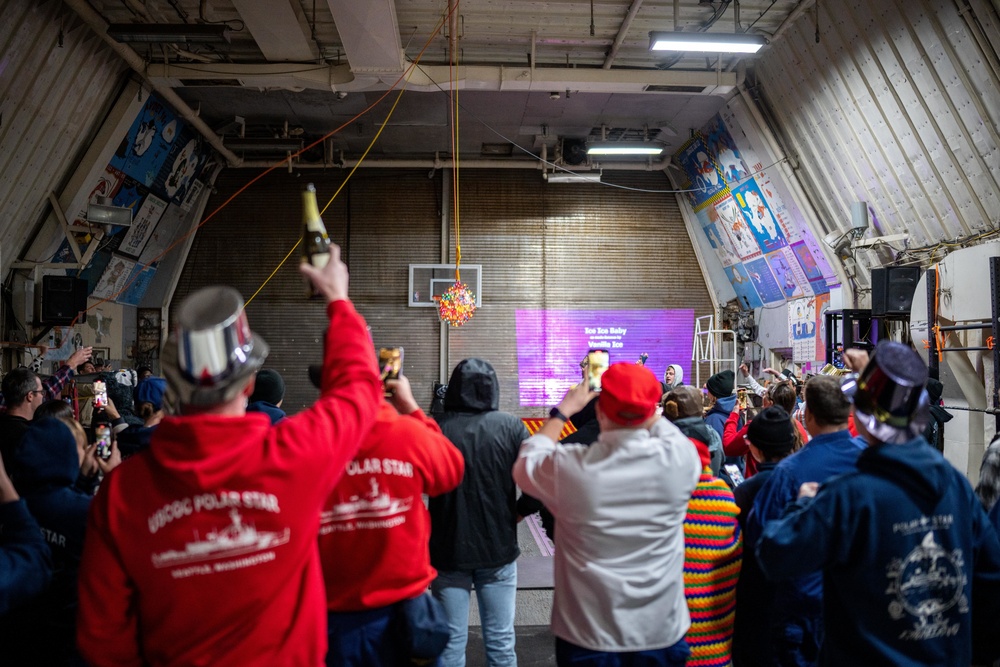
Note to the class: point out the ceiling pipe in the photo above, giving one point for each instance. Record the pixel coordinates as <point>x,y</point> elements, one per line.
<point>622,32</point>
<point>453,31</point>
<point>793,16</point>
<point>429,163</point>
<point>434,78</point>
<point>136,62</point>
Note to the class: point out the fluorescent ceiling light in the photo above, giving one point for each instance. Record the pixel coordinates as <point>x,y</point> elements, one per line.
<point>713,42</point>
<point>623,148</point>
<point>100,214</point>
<point>169,33</point>
<point>566,177</point>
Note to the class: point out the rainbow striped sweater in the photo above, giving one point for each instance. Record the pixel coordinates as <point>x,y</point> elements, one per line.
<point>713,552</point>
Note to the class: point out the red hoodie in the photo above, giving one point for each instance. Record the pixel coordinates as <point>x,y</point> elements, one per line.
<point>202,550</point>
<point>375,529</point>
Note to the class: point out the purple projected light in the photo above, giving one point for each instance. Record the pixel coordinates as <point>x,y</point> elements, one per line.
<point>551,344</point>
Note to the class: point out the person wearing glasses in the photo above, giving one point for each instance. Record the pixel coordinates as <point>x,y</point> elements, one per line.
<point>23,393</point>
<point>53,384</point>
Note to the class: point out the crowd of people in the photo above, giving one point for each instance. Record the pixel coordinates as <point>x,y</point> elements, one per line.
<point>697,526</point>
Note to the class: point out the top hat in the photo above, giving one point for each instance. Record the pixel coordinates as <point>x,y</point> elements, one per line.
<point>889,395</point>
<point>212,354</point>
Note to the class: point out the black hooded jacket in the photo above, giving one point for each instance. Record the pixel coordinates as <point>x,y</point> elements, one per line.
<point>475,526</point>
<point>586,433</point>
<point>46,467</point>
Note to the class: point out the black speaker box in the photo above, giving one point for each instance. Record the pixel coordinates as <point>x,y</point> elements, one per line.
<point>63,298</point>
<point>892,290</point>
<point>574,151</point>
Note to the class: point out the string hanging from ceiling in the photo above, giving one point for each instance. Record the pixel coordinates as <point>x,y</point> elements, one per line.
<point>457,304</point>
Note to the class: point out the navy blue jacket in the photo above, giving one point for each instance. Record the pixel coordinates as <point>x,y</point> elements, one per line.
<point>904,546</point>
<point>717,416</point>
<point>796,620</point>
<point>274,413</point>
<point>754,594</point>
<point>25,562</point>
<point>135,439</point>
<point>46,477</point>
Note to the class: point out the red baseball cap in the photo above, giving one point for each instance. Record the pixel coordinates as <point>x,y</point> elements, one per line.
<point>629,393</point>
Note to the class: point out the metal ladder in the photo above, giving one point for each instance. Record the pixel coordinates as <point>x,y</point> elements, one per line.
<point>708,341</point>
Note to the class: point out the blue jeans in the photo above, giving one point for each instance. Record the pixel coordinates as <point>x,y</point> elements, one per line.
<point>496,589</point>
<point>571,654</point>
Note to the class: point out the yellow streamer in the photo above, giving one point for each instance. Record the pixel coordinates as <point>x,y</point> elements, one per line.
<point>346,179</point>
<point>363,156</point>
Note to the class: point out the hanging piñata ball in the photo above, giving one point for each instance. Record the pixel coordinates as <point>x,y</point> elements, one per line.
<point>457,305</point>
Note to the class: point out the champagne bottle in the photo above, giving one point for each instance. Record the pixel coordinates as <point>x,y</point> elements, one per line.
<point>315,242</point>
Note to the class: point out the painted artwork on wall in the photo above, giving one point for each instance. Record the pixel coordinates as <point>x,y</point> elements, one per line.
<point>161,151</point>
<point>759,235</point>
<point>704,172</point>
<point>758,215</point>
<point>802,328</point>
<point>115,278</point>
<point>143,224</point>
<point>735,225</point>
<point>822,305</point>
<point>727,155</point>
<point>154,172</point>
<point>746,294</point>
<point>137,284</point>
<point>104,324</point>
<point>720,243</point>
<point>764,281</point>
<point>806,334</point>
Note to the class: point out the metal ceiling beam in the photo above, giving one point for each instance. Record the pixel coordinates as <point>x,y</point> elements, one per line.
<point>622,32</point>
<point>437,77</point>
<point>437,163</point>
<point>278,30</point>
<point>369,33</point>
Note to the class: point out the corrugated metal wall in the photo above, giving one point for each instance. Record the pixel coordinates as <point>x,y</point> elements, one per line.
<point>896,106</point>
<point>541,246</point>
<point>52,99</point>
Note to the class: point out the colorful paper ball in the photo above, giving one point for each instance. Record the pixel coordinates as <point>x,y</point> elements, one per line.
<point>457,305</point>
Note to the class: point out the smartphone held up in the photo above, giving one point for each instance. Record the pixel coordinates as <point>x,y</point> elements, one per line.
<point>597,362</point>
<point>102,433</point>
<point>390,363</point>
<point>100,395</point>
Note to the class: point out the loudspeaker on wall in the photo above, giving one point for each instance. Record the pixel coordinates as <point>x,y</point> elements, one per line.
<point>892,289</point>
<point>63,298</point>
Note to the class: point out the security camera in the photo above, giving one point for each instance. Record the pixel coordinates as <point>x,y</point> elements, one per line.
<point>838,242</point>
<point>832,238</point>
